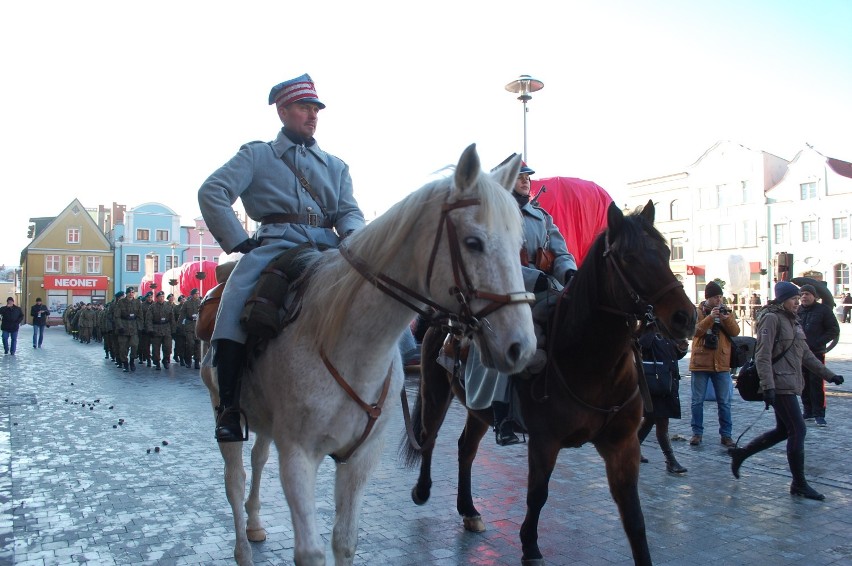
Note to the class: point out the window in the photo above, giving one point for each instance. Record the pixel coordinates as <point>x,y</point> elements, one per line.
<point>73,235</point>
<point>171,262</point>
<point>131,262</point>
<point>727,236</point>
<point>143,235</point>
<point>780,234</point>
<point>841,278</point>
<point>748,237</point>
<point>709,197</point>
<point>840,228</point>
<point>808,190</point>
<point>809,231</point>
<point>72,264</point>
<point>162,235</point>
<point>202,258</point>
<point>93,264</point>
<point>676,209</point>
<point>704,237</point>
<point>745,192</point>
<point>724,196</point>
<point>51,264</point>
<point>156,264</point>
<point>677,249</point>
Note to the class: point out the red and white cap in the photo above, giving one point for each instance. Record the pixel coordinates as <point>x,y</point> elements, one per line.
<point>300,89</point>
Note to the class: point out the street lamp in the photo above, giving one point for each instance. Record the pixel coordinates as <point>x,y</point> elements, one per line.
<point>200,275</point>
<point>523,86</point>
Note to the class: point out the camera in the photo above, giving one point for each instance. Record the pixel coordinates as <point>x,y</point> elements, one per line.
<point>711,341</point>
<point>724,310</point>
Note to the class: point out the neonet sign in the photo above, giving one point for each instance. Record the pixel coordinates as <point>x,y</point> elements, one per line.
<point>76,282</point>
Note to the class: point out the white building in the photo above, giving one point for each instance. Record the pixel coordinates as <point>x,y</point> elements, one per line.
<point>730,214</point>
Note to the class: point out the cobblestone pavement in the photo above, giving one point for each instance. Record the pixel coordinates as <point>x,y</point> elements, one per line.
<point>79,485</point>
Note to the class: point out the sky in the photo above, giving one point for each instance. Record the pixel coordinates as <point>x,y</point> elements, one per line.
<point>134,102</point>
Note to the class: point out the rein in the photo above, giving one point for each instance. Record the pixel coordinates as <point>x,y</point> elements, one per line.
<point>463,289</point>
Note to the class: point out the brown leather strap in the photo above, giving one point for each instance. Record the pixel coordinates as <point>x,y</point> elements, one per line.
<point>306,219</point>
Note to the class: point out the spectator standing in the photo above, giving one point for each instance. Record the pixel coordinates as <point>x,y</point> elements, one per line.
<point>39,313</point>
<point>847,307</point>
<point>821,328</point>
<point>780,354</point>
<point>710,359</point>
<point>13,317</point>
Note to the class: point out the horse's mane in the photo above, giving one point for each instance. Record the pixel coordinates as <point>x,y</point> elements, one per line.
<point>633,235</point>
<point>392,235</point>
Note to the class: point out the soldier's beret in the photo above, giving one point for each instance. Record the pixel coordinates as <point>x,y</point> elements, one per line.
<point>119,294</point>
<point>130,290</point>
<point>160,294</point>
<point>194,292</point>
<point>171,295</point>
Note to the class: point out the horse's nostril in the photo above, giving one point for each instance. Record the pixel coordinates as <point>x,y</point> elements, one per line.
<point>514,352</point>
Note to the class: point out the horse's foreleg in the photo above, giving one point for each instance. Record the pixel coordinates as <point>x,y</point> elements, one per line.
<point>474,430</point>
<point>542,458</point>
<point>235,489</point>
<point>622,472</point>
<point>259,455</point>
<point>433,404</point>
<point>299,480</point>
<point>350,480</point>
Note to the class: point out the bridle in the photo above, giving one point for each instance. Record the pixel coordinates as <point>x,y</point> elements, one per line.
<point>465,321</point>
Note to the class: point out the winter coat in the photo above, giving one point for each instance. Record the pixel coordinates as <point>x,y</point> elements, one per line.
<point>12,318</point>
<point>705,359</point>
<point>541,232</point>
<point>127,316</point>
<point>777,330</point>
<point>39,314</point>
<point>820,326</point>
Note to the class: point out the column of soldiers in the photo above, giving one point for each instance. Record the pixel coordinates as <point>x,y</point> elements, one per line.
<point>140,330</point>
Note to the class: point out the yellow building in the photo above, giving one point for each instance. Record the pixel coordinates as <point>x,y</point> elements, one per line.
<point>68,261</point>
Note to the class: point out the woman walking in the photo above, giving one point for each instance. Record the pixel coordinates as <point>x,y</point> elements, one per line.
<point>780,353</point>
<point>663,353</point>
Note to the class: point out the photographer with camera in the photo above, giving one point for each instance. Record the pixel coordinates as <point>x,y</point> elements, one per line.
<point>710,359</point>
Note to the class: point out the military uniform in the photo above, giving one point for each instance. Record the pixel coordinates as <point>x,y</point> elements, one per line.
<point>127,316</point>
<point>144,337</point>
<point>107,327</point>
<point>160,323</point>
<point>180,339</point>
<point>188,315</point>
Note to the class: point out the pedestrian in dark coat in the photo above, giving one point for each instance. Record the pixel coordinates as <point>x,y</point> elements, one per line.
<point>39,314</point>
<point>821,328</point>
<point>12,316</point>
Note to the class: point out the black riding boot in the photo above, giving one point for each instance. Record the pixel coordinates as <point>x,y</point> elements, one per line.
<point>800,485</point>
<point>229,362</point>
<point>672,465</point>
<point>503,426</point>
<point>738,455</point>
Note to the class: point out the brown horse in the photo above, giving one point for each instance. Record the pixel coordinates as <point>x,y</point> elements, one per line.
<point>589,391</point>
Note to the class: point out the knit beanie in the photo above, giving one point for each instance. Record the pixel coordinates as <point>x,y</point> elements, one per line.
<point>712,290</point>
<point>784,290</point>
<point>807,287</point>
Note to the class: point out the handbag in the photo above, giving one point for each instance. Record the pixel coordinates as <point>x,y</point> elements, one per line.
<point>739,349</point>
<point>658,378</point>
<point>748,381</point>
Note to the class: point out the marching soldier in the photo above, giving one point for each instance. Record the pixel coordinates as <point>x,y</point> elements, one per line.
<point>144,339</point>
<point>180,339</point>
<point>85,323</point>
<point>127,315</point>
<point>160,323</point>
<point>107,327</point>
<point>188,316</point>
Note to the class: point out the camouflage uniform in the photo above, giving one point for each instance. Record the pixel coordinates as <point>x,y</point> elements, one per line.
<point>127,315</point>
<point>188,315</point>
<point>159,323</point>
<point>107,327</point>
<point>85,323</point>
<point>180,339</point>
<point>144,337</point>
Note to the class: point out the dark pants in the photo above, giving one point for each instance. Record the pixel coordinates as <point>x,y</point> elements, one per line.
<point>38,335</point>
<point>126,343</point>
<point>789,426</point>
<point>164,344</point>
<point>813,395</point>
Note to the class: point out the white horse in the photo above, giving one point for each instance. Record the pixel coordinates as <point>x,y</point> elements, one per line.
<point>452,245</point>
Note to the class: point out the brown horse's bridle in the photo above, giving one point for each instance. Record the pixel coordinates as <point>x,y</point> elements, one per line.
<point>465,322</point>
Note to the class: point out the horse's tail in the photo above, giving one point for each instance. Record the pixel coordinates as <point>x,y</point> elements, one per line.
<point>409,454</point>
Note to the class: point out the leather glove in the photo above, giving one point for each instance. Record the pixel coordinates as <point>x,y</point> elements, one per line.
<point>569,275</point>
<point>541,284</point>
<point>768,398</point>
<point>837,380</point>
<point>247,246</point>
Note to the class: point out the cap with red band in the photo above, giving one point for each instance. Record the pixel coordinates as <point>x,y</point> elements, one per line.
<point>300,89</point>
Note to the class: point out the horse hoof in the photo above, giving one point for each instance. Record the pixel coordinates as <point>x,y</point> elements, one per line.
<point>474,524</point>
<point>416,498</point>
<point>256,535</point>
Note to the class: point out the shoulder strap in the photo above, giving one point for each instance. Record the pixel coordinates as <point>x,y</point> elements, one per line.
<point>305,184</point>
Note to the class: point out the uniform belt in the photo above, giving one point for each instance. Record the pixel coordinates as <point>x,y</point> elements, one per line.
<point>158,322</point>
<point>308,219</point>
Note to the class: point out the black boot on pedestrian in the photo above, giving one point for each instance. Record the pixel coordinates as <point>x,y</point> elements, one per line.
<point>738,456</point>
<point>126,367</point>
<point>132,366</point>
<point>800,486</point>
<point>504,429</point>
<point>229,363</point>
<point>166,364</point>
<point>148,362</point>
<point>197,365</point>
<point>157,366</point>
<point>672,465</point>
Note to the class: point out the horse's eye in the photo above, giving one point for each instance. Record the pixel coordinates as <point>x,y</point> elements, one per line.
<point>473,244</point>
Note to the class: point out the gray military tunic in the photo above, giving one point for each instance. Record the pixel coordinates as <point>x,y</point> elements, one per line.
<point>258,176</point>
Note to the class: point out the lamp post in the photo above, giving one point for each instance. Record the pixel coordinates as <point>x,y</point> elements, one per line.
<point>524,86</point>
<point>200,275</point>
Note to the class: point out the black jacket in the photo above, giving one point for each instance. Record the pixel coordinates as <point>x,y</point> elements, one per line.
<point>34,314</point>
<point>820,326</point>
<point>12,317</point>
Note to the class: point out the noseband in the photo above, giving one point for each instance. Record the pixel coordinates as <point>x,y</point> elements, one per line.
<point>465,321</point>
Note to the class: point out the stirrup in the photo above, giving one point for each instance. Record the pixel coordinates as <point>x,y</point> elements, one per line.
<point>227,412</point>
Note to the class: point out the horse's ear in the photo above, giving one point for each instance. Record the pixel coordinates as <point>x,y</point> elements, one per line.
<point>507,172</point>
<point>614,217</point>
<point>648,212</point>
<point>468,168</point>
